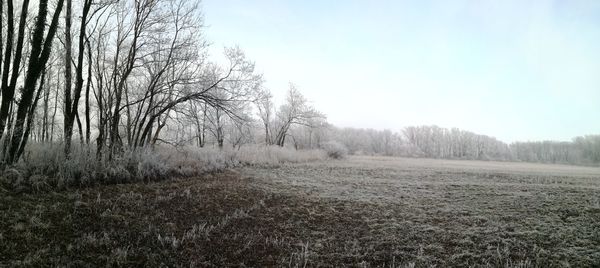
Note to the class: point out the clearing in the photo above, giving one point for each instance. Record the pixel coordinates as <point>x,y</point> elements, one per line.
<point>362,211</point>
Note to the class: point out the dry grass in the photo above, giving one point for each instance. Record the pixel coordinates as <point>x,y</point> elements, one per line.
<point>45,167</point>
<point>273,156</point>
<point>366,212</point>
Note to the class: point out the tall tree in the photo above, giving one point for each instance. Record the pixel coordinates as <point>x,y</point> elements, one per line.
<point>264,103</point>
<point>8,87</point>
<point>72,98</point>
<point>39,54</point>
<point>68,115</point>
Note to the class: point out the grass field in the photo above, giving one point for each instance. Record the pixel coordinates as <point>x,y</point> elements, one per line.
<point>362,211</point>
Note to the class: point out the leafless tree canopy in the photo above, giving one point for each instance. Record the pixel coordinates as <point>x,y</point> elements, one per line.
<point>136,66</point>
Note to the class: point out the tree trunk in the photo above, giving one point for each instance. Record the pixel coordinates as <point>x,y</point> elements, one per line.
<point>40,52</point>
<point>87,99</point>
<point>8,87</point>
<point>1,40</point>
<point>31,115</point>
<point>55,109</point>
<point>69,115</point>
<point>45,132</point>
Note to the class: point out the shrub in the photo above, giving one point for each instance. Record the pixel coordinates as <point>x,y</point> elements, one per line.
<point>12,179</point>
<point>44,166</point>
<point>39,183</point>
<point>191,161</point>
<point>335,149</point>
<point>150,166</point>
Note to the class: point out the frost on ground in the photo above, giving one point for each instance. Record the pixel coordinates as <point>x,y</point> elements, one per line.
<point>441,212</point>
<point>362,211</point>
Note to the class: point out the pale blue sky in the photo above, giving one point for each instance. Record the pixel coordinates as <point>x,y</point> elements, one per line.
<point>515,70</point>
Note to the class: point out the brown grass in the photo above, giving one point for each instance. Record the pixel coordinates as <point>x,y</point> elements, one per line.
<point>367,212</point>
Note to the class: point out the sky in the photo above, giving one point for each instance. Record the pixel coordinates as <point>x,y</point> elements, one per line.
<point>515,70</point>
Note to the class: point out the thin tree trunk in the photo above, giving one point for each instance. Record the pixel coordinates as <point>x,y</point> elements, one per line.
<point>80,129</point>
<point>68,114</point>
<point>87,96</point>
<point>1,40</point>
<point>46,107</point>
<point>55,109</point>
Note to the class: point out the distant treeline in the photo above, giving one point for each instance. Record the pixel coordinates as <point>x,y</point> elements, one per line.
<point>437,142</point>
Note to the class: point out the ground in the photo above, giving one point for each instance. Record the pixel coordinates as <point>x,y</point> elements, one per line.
<point>361,211</point>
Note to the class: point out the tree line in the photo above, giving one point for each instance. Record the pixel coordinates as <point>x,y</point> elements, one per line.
<point>437,142</point>
<point>112,76</point>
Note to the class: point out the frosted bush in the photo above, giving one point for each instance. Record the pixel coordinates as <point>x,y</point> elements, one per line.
<point>335,149</point>
<point>45,167</point>
<point>117,174</point>
<point>151,166</point>
<point>189,161</point>
<point>42,159</point>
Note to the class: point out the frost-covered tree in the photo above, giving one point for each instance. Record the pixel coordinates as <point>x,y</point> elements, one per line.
<point>295,111</point>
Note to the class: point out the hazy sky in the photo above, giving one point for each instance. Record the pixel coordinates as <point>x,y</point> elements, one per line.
<point>516,70</point>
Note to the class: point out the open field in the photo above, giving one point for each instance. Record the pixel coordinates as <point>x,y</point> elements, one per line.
<point>362,211</point>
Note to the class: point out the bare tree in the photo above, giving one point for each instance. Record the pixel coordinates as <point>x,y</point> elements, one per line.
<point>264,104</point>
<point>295,111</point>
<point>38,56</point>
<point>72,96</point>
<point>8,87</point>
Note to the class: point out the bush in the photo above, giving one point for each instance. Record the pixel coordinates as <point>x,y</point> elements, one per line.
<point>335,149</point>
<point>12,179</point>
<point>191,161</point>
<point>44,166</point>
<point>150,166</point>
